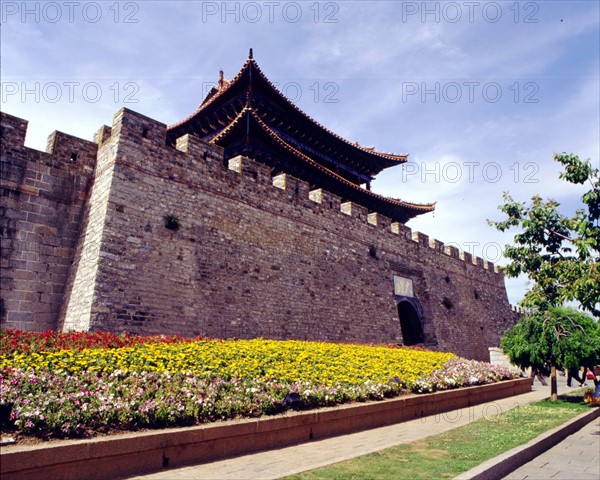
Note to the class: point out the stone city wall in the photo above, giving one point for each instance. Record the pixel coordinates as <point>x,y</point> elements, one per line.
<point>254,255</point>
<point>42,199</point>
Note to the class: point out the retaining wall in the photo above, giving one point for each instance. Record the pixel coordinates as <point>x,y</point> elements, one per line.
<point>130,454</point>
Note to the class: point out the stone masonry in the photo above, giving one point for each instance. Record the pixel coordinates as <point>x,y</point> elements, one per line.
<point>85,246</point>
<point>42,201</point>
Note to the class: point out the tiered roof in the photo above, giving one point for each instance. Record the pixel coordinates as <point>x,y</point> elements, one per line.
<point>248,116</point>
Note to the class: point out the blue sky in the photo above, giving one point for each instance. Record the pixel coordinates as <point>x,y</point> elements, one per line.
<point>479,94</point>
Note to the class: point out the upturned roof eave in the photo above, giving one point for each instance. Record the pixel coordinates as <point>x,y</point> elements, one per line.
<point>386,159</point>
<point>394,208</point>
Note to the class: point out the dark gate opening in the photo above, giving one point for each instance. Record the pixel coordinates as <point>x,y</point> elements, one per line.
<point>410,323</point>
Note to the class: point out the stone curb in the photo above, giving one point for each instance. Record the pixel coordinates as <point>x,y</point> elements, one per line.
<point>504,464</point>
<point>144,452</point>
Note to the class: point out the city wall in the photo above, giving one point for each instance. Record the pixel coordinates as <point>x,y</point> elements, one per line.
<point>42,196</point>
<point>253,255</point>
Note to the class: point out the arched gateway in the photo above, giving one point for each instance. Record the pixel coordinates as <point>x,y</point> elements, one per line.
<point>411,321</point>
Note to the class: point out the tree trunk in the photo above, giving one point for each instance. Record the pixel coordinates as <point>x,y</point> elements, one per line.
<point>553,386</point>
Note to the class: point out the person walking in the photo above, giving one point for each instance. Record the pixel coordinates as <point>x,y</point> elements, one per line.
<point>573,373</point>
<point>537,373</point>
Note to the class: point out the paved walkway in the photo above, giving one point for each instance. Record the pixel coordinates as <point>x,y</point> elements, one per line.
<point>577,457</point>
<point>308,456</point>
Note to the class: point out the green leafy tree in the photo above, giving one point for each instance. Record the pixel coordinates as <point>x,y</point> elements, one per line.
<point>560,254</point>
<point>558,337</point>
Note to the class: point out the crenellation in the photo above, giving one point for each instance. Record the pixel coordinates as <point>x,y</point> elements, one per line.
<point>248,168</point>
<point>62,150</point>
<point>74,152</point>
<point>295,188</point>
<point>465,257</point>
<point>316,196</point>
<point>354,210</point>
<point>436,245</point>
<point>199,149</point>
<point>42,215</point>
<point>138,128</point>
<point>451,251</point>
<point>420,238</point>
<point>12,130</point>
<point>280,181</point>
<point>235,164</point>
<point>401,229</point>
<point>378,220</point>
<point>102,134</point>
<point>328,200</point>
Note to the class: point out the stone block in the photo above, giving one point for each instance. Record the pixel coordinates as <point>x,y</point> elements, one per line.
<point>102,134</point>
<point>354,210</point>
<point>379,220</point>
<point>420,238</point>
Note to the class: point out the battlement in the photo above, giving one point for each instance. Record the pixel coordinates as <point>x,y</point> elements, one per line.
<point>325,198</point>
<point>379,220</point>
<point>102,134</point>
<point>12,130</point>
<point>298,190</point>
<point>517,309</point>
<point>254,171</point>
<point>194,147</point>
<point>138,128</point>
<point>63,150</point>
<point>191,152</point>
<point>354,210</point>
<point>44,195</point>
<point>73,149</point>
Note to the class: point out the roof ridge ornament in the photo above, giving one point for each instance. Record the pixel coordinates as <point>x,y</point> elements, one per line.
<point>250,55</point>
<point>221,80</point>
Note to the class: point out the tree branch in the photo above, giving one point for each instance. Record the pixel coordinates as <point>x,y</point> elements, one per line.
<point>561,235</point>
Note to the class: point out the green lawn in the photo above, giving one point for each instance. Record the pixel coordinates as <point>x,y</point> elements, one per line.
<point>448,454</point>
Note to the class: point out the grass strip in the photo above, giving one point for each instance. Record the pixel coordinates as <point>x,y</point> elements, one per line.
<point>448,454</point>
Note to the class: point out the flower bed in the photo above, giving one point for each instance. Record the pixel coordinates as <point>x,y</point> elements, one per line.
<point>460,372</point>
<point>75,384</point>
<point>16,341</point>
<point>287,360</point>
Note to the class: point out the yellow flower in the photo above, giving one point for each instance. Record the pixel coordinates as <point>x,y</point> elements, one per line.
<point>289,360</point>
